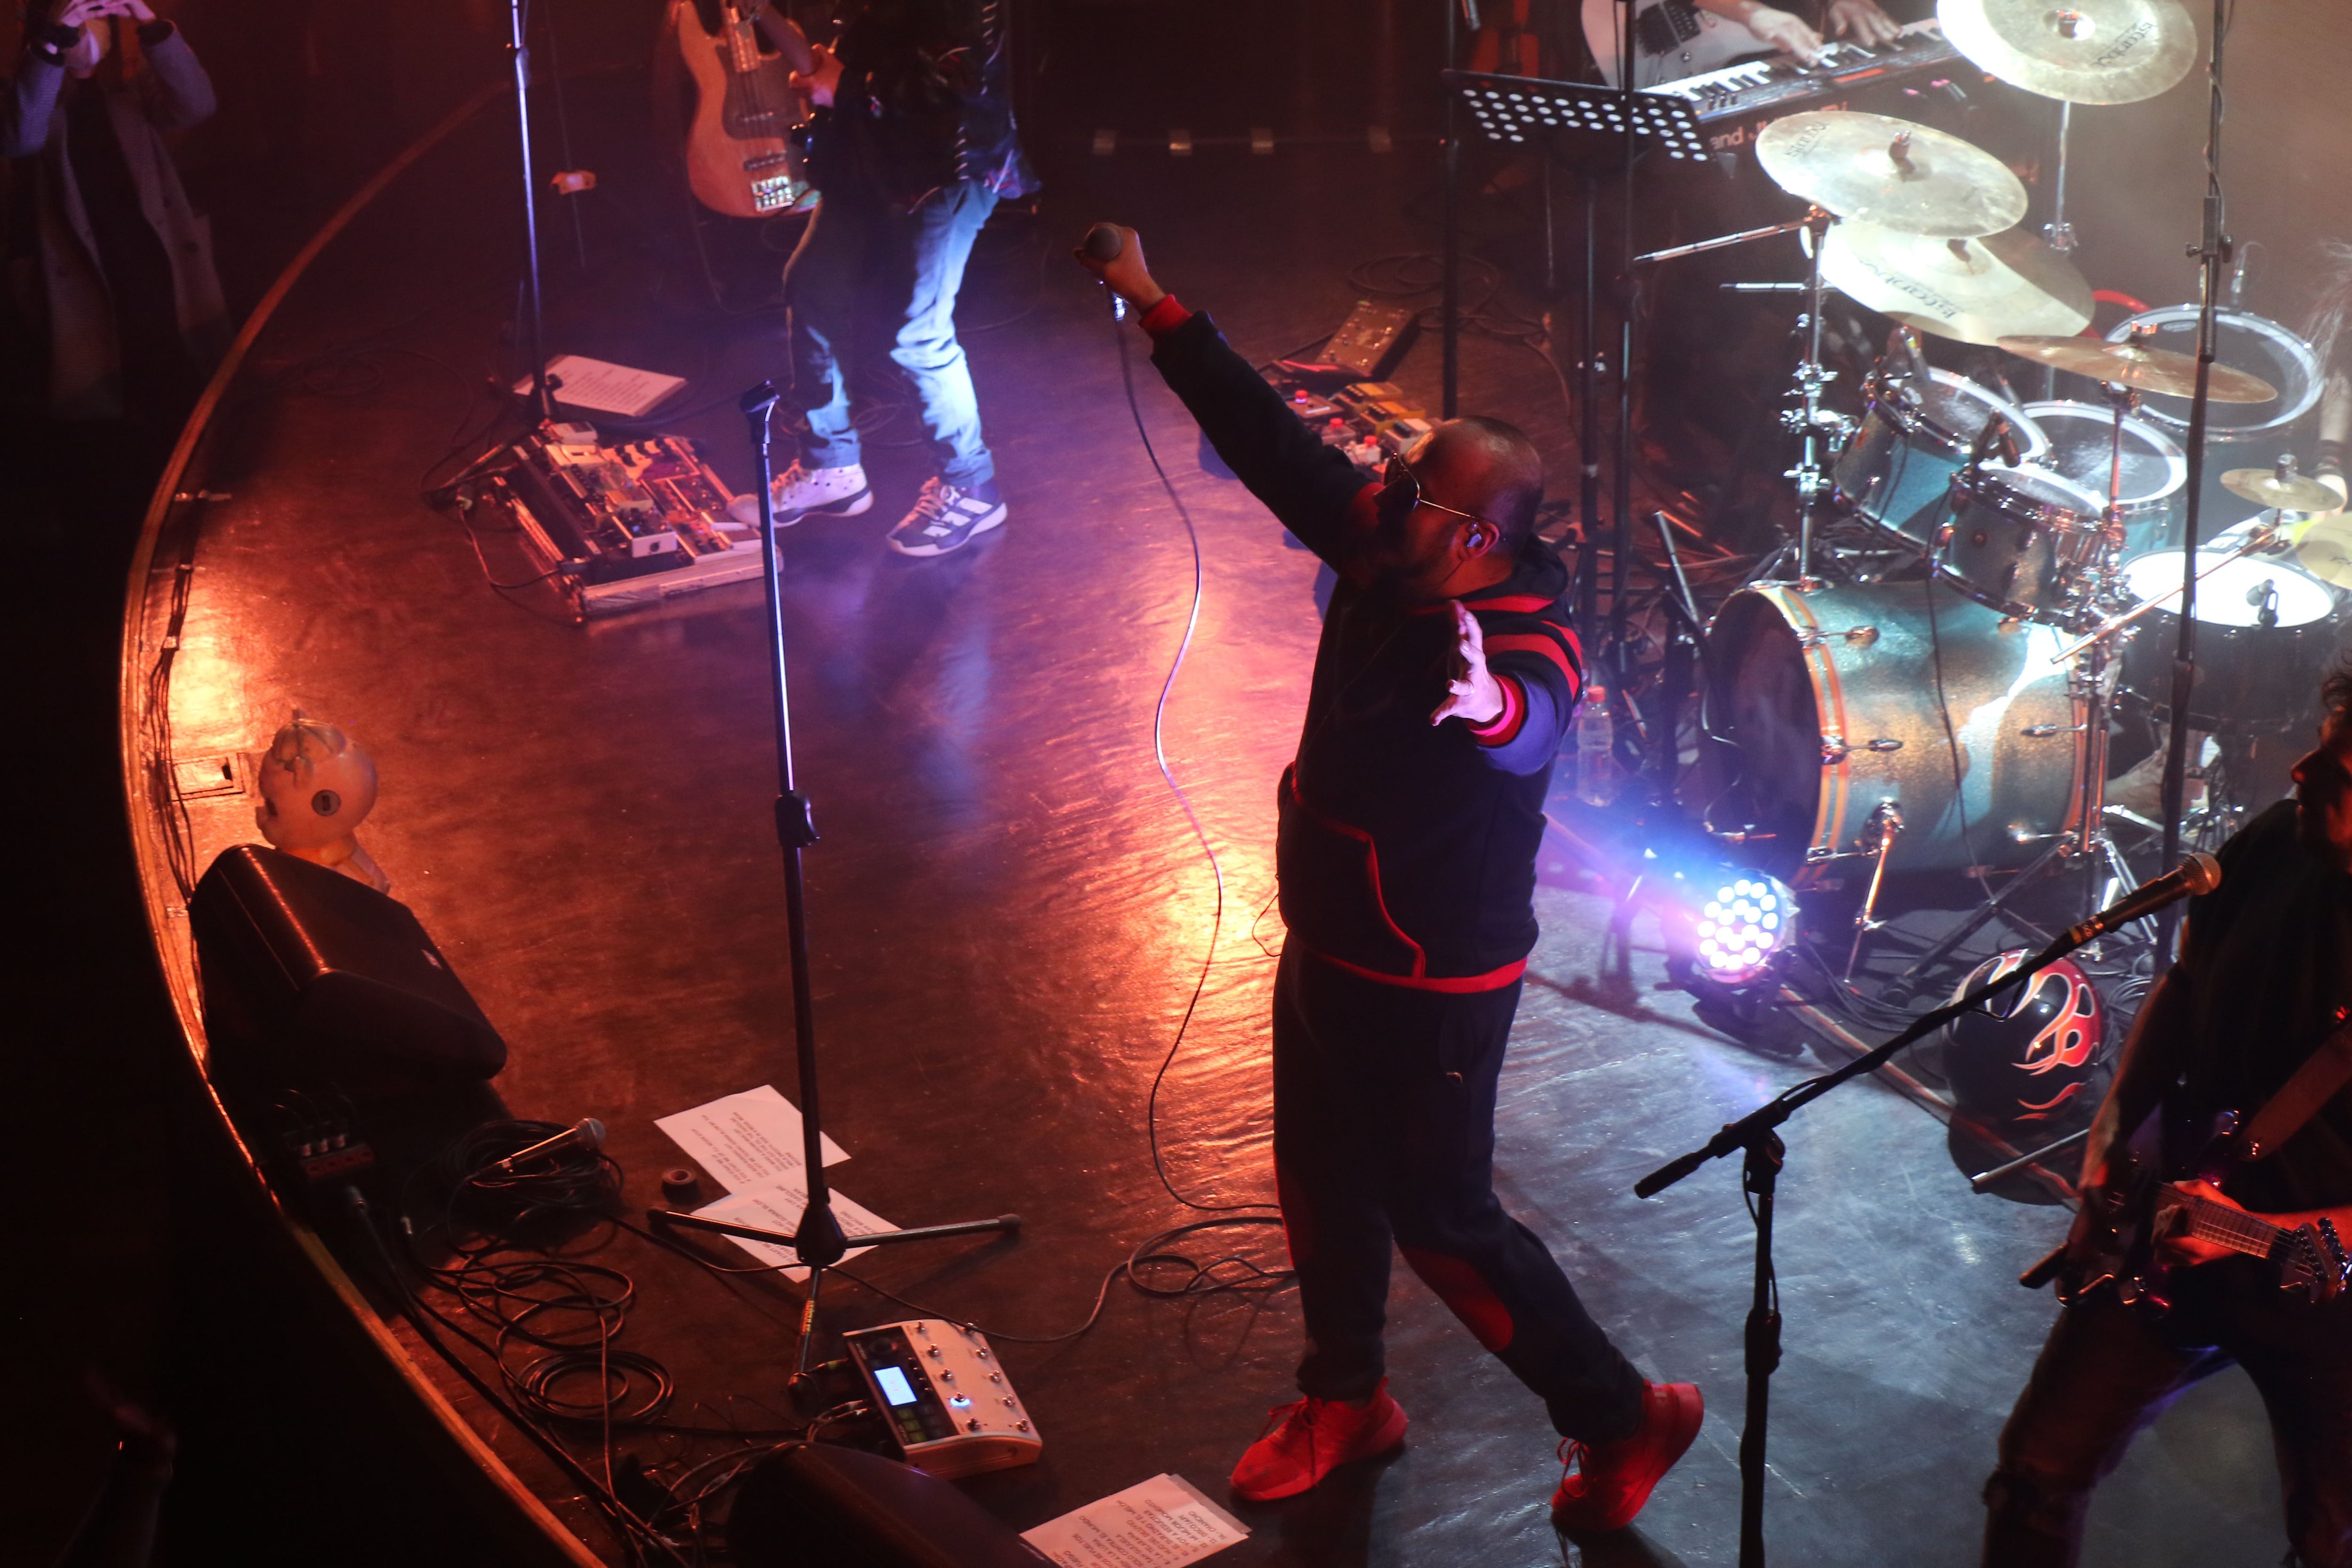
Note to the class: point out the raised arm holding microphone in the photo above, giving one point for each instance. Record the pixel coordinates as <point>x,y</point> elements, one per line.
<point>1409,821</point>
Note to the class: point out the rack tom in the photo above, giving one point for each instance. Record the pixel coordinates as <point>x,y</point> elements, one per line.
<point>1914,436</point>
<point>2155,469</point>
<point>2020,541</point>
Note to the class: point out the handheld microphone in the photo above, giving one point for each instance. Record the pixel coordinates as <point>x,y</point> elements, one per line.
<point>1103,242</point>
<point>584,1136</point>
<point>2199,873</point>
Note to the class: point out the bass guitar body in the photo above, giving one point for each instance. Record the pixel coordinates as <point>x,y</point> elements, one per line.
<point>743,149</point>
<point>1672,39</point>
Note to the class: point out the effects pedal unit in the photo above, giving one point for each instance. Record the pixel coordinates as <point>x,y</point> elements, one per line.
<point>1367,420</point>
<point>948,1406</point>
<point>621,527</point>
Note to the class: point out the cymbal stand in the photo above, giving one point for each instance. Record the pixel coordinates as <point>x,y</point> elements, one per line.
<point>2084,839</point>
<point>1809,419</point>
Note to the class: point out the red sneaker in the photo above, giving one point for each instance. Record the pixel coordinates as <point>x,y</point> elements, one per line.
<point>1605,1486</point>
<point>1307,1441</point>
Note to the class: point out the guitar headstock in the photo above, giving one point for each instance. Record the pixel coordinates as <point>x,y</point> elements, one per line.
<point>2312,1260</point>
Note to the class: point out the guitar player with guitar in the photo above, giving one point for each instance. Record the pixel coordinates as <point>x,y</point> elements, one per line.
<point>2231,1251</point>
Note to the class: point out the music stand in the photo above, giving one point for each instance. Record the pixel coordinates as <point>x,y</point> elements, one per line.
<point>1567,117</point>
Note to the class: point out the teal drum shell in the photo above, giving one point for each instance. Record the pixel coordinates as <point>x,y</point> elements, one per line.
<point>1836,699</point>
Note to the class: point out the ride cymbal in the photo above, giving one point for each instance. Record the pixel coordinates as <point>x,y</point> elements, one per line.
<point>2083,51</point>
<point>2273,491</point>
<point>2136,364</point>
<point>1974,290</point>
<point>1891,172</point>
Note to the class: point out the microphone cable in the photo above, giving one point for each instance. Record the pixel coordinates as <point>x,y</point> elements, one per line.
<point>1160,755</point>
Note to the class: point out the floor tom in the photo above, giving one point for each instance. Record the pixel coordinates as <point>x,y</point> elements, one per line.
<point>2264,632</point>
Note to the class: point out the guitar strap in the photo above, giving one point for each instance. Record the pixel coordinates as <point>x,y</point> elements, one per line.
<point>2314,1083</point>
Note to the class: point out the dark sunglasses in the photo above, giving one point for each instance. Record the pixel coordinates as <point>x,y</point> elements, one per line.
<point>1401,492</point>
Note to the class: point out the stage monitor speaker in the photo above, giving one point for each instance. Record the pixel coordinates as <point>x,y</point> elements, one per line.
<point>330,979</point>
<point>808,1504</point>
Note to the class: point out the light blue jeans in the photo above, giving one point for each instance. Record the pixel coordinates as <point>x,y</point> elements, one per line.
<point>913,264</point>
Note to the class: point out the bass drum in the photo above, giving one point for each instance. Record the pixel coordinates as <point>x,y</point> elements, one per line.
<point>1914,436</point>
<point>1830,697</point>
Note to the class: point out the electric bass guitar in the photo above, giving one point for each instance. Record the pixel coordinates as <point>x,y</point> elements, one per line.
<point>744,149</point>
<point>2139,1207</point>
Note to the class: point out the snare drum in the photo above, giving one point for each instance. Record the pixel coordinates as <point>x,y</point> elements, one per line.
<point>2018,540</point>
<point>2081,448</point>
<point>2251,678</point>
<point>1914,436</point>
<point>1832,697</point>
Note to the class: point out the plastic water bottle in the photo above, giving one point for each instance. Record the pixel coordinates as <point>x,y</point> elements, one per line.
<point>1596,744</point>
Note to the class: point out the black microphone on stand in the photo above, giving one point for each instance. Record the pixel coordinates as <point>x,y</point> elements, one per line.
<point>584,1136</point>
<point>1997,435</point>
<point>1103,242</point>
<point>2198,874</point>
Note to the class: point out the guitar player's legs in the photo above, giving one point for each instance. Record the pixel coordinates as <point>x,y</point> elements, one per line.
<point>2104,1373</point>
<point>821,285</point>
<point>2299,1356</point>
<point>942,230</point>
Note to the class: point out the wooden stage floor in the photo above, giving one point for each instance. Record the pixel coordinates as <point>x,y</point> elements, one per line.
<point>1010,911</point>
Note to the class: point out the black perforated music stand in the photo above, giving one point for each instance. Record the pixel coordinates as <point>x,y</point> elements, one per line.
<point>1576,120</point>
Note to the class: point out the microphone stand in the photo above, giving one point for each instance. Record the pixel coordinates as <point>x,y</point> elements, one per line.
<point>817,1240</point>
<point>543,396</point>
<point>2213,258</point>
<point>1757,1137</point>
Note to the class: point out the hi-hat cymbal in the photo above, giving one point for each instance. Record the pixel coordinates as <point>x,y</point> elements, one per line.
<point>2325,549</point>
<point>2136,364</point>
<point>1976,290</point>
<point>2084,51</point>
<point>2274,492</point>
<point>1891,172</point>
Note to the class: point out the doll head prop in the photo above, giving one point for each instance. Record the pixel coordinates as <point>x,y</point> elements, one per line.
<point>317,787</point>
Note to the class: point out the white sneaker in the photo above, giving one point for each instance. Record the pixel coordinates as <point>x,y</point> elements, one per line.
<point>799,491</point>
<point>945,519</point>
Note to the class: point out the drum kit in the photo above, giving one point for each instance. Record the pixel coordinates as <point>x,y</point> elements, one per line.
<point>1944,704</point>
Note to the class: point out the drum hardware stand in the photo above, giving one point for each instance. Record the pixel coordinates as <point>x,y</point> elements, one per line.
<point>1885,826</point>
<point>2212,253</point>
<point>818,1240</point>
<point>1809,420</point>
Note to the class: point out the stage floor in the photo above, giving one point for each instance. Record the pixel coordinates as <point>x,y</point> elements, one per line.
<point>1010,911</point>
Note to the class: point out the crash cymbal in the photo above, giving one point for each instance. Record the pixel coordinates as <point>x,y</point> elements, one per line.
<point>2084,51</point>
<point>2325,549</point>
<point>2136,364</point>
<point>2271,490</point>
<point>1975,291</point>
<point>1891,172</point>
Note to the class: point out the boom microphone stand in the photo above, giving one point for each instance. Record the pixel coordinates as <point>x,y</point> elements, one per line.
<point>1756,1136</point>
<point>818,1240</point>
<point>2214,257</point>
<point>543,396</point>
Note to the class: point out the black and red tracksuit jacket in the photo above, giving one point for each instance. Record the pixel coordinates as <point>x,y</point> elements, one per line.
<point>1406,851</point>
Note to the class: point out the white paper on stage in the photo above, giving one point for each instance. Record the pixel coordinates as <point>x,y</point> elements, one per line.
<point>777,1207</point>
<point>1164,1522</point>
<point>745,1140</point>
<point>610,388</point>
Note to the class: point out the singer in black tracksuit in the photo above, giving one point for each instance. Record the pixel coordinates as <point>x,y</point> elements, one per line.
<point>1406,854</point>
